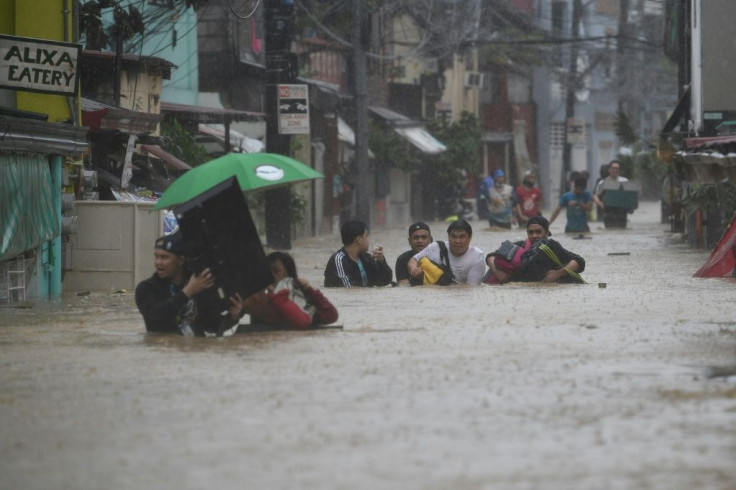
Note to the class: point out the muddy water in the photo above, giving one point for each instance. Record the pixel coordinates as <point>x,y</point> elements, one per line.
<point>510,387</point>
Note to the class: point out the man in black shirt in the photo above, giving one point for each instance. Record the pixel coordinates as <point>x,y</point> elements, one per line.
<point>172,301</point>
<point>419,237</point>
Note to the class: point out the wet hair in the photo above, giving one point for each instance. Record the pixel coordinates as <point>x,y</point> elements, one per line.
<point>350,230</point>
<point>581,181</point>
<point>460,225</point>
<point>612,162</point>
<point>286,259</point>
<point>603,171</point>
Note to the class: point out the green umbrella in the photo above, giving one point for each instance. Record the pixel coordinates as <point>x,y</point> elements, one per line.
<point>255,171</point>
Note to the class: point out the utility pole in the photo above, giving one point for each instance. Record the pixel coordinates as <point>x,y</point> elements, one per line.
<point>279,20</point>
<point>366,180</point>
<point>572,86</point>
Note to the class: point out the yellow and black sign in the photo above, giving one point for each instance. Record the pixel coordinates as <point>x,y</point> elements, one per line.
<point>38,65</point>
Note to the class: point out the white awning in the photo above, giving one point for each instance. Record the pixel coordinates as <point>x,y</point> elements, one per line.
<point>420,138</point>
<point>237,140</point>
<point>344,132</point>
<point>413,131</point>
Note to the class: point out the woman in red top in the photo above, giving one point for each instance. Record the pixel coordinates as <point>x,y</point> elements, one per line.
<point>290,301</point>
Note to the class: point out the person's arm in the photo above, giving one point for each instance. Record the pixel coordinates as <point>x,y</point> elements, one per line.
<point>572,261</point>
<point>554,214</point>
<point>554,275</point>
<point>378,270</point>
<point>491,263</point>
<point>326,312</point>
<point>159,312</point>
<point>336,273</point>
<point>402,276</point>
<point>412,267</point>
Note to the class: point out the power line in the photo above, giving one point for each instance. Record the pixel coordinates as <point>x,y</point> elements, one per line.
<point>243,17</point>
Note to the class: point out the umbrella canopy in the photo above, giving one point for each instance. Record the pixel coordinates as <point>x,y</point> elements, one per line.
<point>254,171</point>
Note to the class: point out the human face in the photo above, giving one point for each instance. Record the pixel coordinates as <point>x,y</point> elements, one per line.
<point>536,232</point>
<point>613,170</point>
<point>363,242</point>
<point>419,240</point>
<point>278,271</point>
<point>168,266</point>
<point>459,242</point>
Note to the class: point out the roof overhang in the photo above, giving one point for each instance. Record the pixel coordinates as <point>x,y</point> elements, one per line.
<point>98,117</point>
<point>31,135</point>
<point>413,131</point>
<point>208,115</point>
<point>106,60</point>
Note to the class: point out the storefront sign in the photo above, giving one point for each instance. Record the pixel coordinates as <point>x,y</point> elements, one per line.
<point>293,109</point>
<point>37,65</point>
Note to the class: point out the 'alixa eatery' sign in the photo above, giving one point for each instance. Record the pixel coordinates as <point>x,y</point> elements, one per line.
<point>38,65</point>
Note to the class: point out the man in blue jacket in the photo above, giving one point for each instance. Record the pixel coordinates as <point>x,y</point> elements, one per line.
<point>352,265</point>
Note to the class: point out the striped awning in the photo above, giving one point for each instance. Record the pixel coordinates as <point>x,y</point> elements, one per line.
<point>27,214</point>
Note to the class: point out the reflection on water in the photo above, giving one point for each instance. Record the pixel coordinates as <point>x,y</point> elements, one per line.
<point>462,387</point>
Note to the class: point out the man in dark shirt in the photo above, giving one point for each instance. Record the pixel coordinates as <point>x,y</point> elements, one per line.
<point>352,265</point>
<point>419,238</point>
<point>172,301</point>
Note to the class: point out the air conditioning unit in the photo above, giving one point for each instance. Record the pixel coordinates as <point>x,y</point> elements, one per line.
<point>474,79</point>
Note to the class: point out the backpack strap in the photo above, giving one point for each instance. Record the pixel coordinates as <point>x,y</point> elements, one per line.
<point>444,257</point>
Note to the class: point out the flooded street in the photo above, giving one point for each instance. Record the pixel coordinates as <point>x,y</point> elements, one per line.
<point>512,387</point>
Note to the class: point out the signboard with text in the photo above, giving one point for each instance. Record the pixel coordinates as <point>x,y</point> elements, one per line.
<point>293,109</point>
<point>38,65</point>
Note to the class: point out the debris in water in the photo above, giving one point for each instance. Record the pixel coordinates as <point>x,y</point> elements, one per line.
<point>619,253</point>
<point>602,285</point>
<point>83,293</point>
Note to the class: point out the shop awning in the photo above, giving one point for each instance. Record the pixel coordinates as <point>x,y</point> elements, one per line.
<point>167,157</point>
<point>413,131</point>
<point>237,139</point>
<point>209,115</point>
<point>32,135</point>
<point>344,132</point>
<point>99,116</point>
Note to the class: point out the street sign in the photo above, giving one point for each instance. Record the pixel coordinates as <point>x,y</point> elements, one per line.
<point>38,65</point>
<point>293,109</point>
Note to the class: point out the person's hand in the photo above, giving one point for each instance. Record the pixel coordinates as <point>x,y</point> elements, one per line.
<point>237,306</point>
<point>416,272</point>
<point>304,283</point>
<point>554,275</point>
<point>198,283</point>
<point>500,275</point>
<point>377,253</point>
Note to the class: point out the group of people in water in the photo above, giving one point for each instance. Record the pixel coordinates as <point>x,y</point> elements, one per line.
<point>172,300</point>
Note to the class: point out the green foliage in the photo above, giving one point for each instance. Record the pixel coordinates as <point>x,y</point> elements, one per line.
<point>624,129</point>
<point>180,143</point>
<point>449,170</point>
<point>389,148</point>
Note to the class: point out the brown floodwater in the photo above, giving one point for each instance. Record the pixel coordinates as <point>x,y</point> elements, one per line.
<point>519,386</point>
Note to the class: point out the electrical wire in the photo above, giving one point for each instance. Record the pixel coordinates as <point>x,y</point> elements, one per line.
<point>243,17</point>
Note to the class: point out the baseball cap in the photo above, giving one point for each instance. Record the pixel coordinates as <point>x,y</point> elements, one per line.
<point>419,225</point>
<point>173,243</point>
<point>539,220</point>
<point>498,173</point>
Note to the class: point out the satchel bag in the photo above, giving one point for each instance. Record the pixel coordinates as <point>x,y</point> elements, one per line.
<point>437,273</point>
